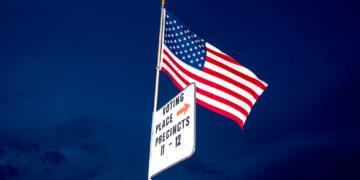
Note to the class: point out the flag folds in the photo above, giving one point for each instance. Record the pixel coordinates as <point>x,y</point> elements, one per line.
<point>222,84</point>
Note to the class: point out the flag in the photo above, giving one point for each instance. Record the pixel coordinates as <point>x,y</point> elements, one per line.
<point>222,84</point>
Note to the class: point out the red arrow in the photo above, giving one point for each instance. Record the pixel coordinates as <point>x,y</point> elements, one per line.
<point>184,109</point>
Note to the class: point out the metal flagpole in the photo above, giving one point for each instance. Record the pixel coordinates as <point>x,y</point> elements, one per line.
<point>159,55</point>
<point>157,72</point>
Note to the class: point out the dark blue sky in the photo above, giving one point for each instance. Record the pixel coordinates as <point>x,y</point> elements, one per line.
<point>77,83</point>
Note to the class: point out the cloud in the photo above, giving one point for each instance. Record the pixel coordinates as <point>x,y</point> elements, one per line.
<point>203,168</point>
<point>53,150</point>
<point>8,171</point>
<point>53,157</point>
<point>80,127</point>
<point>25,147</point>
<point>2,152</point>
<point>91,148</point>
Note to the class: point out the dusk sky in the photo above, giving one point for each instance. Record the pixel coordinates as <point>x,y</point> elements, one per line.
<point>77,85</point>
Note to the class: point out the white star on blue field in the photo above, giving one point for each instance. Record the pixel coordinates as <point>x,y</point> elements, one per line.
<point>186,45</point>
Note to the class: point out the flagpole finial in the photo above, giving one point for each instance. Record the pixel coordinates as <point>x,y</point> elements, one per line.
<point>162,3</point>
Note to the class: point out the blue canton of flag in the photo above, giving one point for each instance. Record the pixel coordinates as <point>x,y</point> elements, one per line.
<point>186,45</point>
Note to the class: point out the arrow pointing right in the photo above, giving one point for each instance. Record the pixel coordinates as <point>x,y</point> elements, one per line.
<point>184,109</point>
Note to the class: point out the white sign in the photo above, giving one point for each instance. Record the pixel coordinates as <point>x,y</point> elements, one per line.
<point>173,132</point>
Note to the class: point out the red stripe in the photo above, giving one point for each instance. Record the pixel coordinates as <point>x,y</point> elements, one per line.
<point>173,79</point>
<point>223,100</point>
<point>223,56</point>
<point>176,73</point>
<point>208,94</point>
<point>232,81</point>
<point>205,81</point>
<point>222,112</point>
<point>244,76</point>
<point>206,105</point>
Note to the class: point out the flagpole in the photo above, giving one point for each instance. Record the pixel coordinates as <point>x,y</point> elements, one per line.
<point>157,72</point>
<point>159,55</point>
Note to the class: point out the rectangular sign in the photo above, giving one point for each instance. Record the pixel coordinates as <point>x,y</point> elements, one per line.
<point>173,132</point>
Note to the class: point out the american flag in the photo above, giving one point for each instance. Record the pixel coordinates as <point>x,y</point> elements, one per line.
<point>222,84</point>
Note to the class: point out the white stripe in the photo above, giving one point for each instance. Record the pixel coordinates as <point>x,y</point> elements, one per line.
<point>208,45</point>
<point>236,67</point>
<point>222,106</point>
<point>209,88</point>
<point>213,78</point>
<point>208,100</point>
<point>233,76</point>
<point>182,84</point>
